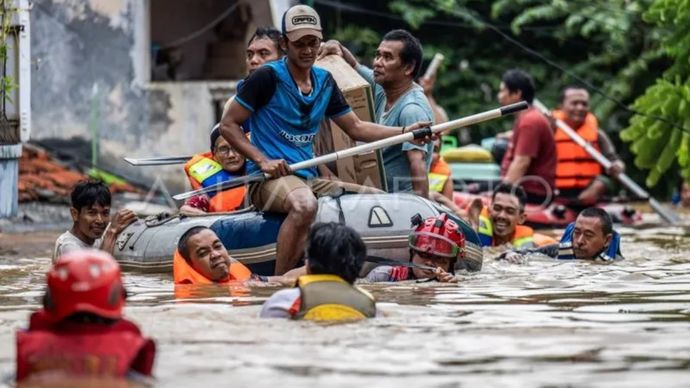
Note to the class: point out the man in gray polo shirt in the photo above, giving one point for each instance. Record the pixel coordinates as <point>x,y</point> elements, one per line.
<point>399,101</point>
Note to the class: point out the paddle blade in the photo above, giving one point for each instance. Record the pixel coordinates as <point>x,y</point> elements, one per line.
<point>157,161</point>
<point>666,214</point>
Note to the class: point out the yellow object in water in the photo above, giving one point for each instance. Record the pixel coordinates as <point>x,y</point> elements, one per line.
<point>469,154</point>
<point>542,239</point>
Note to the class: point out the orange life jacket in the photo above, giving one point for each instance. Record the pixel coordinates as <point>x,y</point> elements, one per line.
<point>575,168</point>
<point>203,171</point>
<point>439,175</point>
<point>183,273</point>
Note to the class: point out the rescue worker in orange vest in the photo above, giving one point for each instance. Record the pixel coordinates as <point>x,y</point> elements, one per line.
<point>222,164</point>
<point>201,258</point>
<point>80,331</point>
<point>502,222</point>
<point>436,243</point>
<point>335,255</point>
<point>579,178</point>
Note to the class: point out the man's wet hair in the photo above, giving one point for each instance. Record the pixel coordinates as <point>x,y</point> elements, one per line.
<point>411,51</point>
<point>602,215</point>
<point>182,246</point>
<point>267,33</point>
<point>88,193</point>
<point>516,79</point>
<point>511,189</point>
<point>335,249</point>
<point>571,87</point>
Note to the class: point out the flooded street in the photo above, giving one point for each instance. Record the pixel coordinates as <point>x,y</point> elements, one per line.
<point>544,323</point>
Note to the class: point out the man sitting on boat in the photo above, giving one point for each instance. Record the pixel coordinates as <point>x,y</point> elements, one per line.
<point>90,212</point>
<point>80,331</point>
<point>221,164</point>
<point>436,244</point>
<point>530,160</point>
<point>398,101</point>
<point>335,255</point>
<point>224,163</point>
<point>201,258</point>
<point>579,178</point>
<point>284,102</point>
<point>590,237</point>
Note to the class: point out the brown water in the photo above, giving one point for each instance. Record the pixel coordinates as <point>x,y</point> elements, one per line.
<point>545,323</point>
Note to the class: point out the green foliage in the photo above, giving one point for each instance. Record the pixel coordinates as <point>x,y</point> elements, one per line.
<point>659,135</point>
<point>7,83</point>
<point>613,45</point>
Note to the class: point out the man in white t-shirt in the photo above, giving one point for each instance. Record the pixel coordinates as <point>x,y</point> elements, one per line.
<point>90,212</point>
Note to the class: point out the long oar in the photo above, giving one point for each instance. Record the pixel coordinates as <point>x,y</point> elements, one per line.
<point>328,158</point>
<point>433,66</point>
<point>625,180</point>
<point>391,262</point>
<point>157,161</point>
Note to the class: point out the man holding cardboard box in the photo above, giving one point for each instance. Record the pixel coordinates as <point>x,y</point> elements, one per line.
<point>283,102</point>
<point>399,102</point>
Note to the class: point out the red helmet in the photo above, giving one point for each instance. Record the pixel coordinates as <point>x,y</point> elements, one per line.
<point>85,281</point>
<point>438,236</point>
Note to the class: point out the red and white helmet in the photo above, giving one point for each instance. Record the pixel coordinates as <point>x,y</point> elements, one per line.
<point>85,281</point>
<point>438,236</point>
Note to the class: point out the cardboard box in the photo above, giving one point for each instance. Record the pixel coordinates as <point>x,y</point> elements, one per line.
<point>365,169</point>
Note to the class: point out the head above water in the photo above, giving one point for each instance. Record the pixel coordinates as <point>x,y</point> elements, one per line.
<point>516,85</point>
<point>335,249</point>
<point>301,39</point>
<point>437,241</point>
<point>84,284</point>
<point>398,58</point>
<point>224,154</point>
<point>205,253</point>
<point>263,46</point>
<point>592,234</point>
<point>90,209</point>
<point>507,209</point>
<point>575,105</point>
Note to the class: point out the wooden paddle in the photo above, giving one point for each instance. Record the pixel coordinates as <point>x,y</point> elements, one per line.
<point>391,262</point>
<point>433,66</point>
<point>157,161</point>
<point>332,157</point>
<point>625,180</point>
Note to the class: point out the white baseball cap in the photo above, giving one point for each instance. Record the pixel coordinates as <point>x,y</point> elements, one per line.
<point>300,21</point>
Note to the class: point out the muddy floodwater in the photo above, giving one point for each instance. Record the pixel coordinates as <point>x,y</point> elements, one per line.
<point>544,323</point>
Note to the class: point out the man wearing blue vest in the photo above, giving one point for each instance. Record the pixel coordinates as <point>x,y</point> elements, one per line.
<point>283,103</point>
<point>590,237</point>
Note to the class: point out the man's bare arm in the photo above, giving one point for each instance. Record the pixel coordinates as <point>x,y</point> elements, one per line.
<point>517,169</point>
<point>418,174</point>
<point>231,130</point>
<point>368,132</point>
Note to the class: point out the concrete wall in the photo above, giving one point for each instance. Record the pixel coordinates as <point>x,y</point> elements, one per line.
<point>90,78</point>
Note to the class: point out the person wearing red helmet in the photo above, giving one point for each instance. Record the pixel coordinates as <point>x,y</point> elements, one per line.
<point>80,331</point>
<point>437,242</point>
